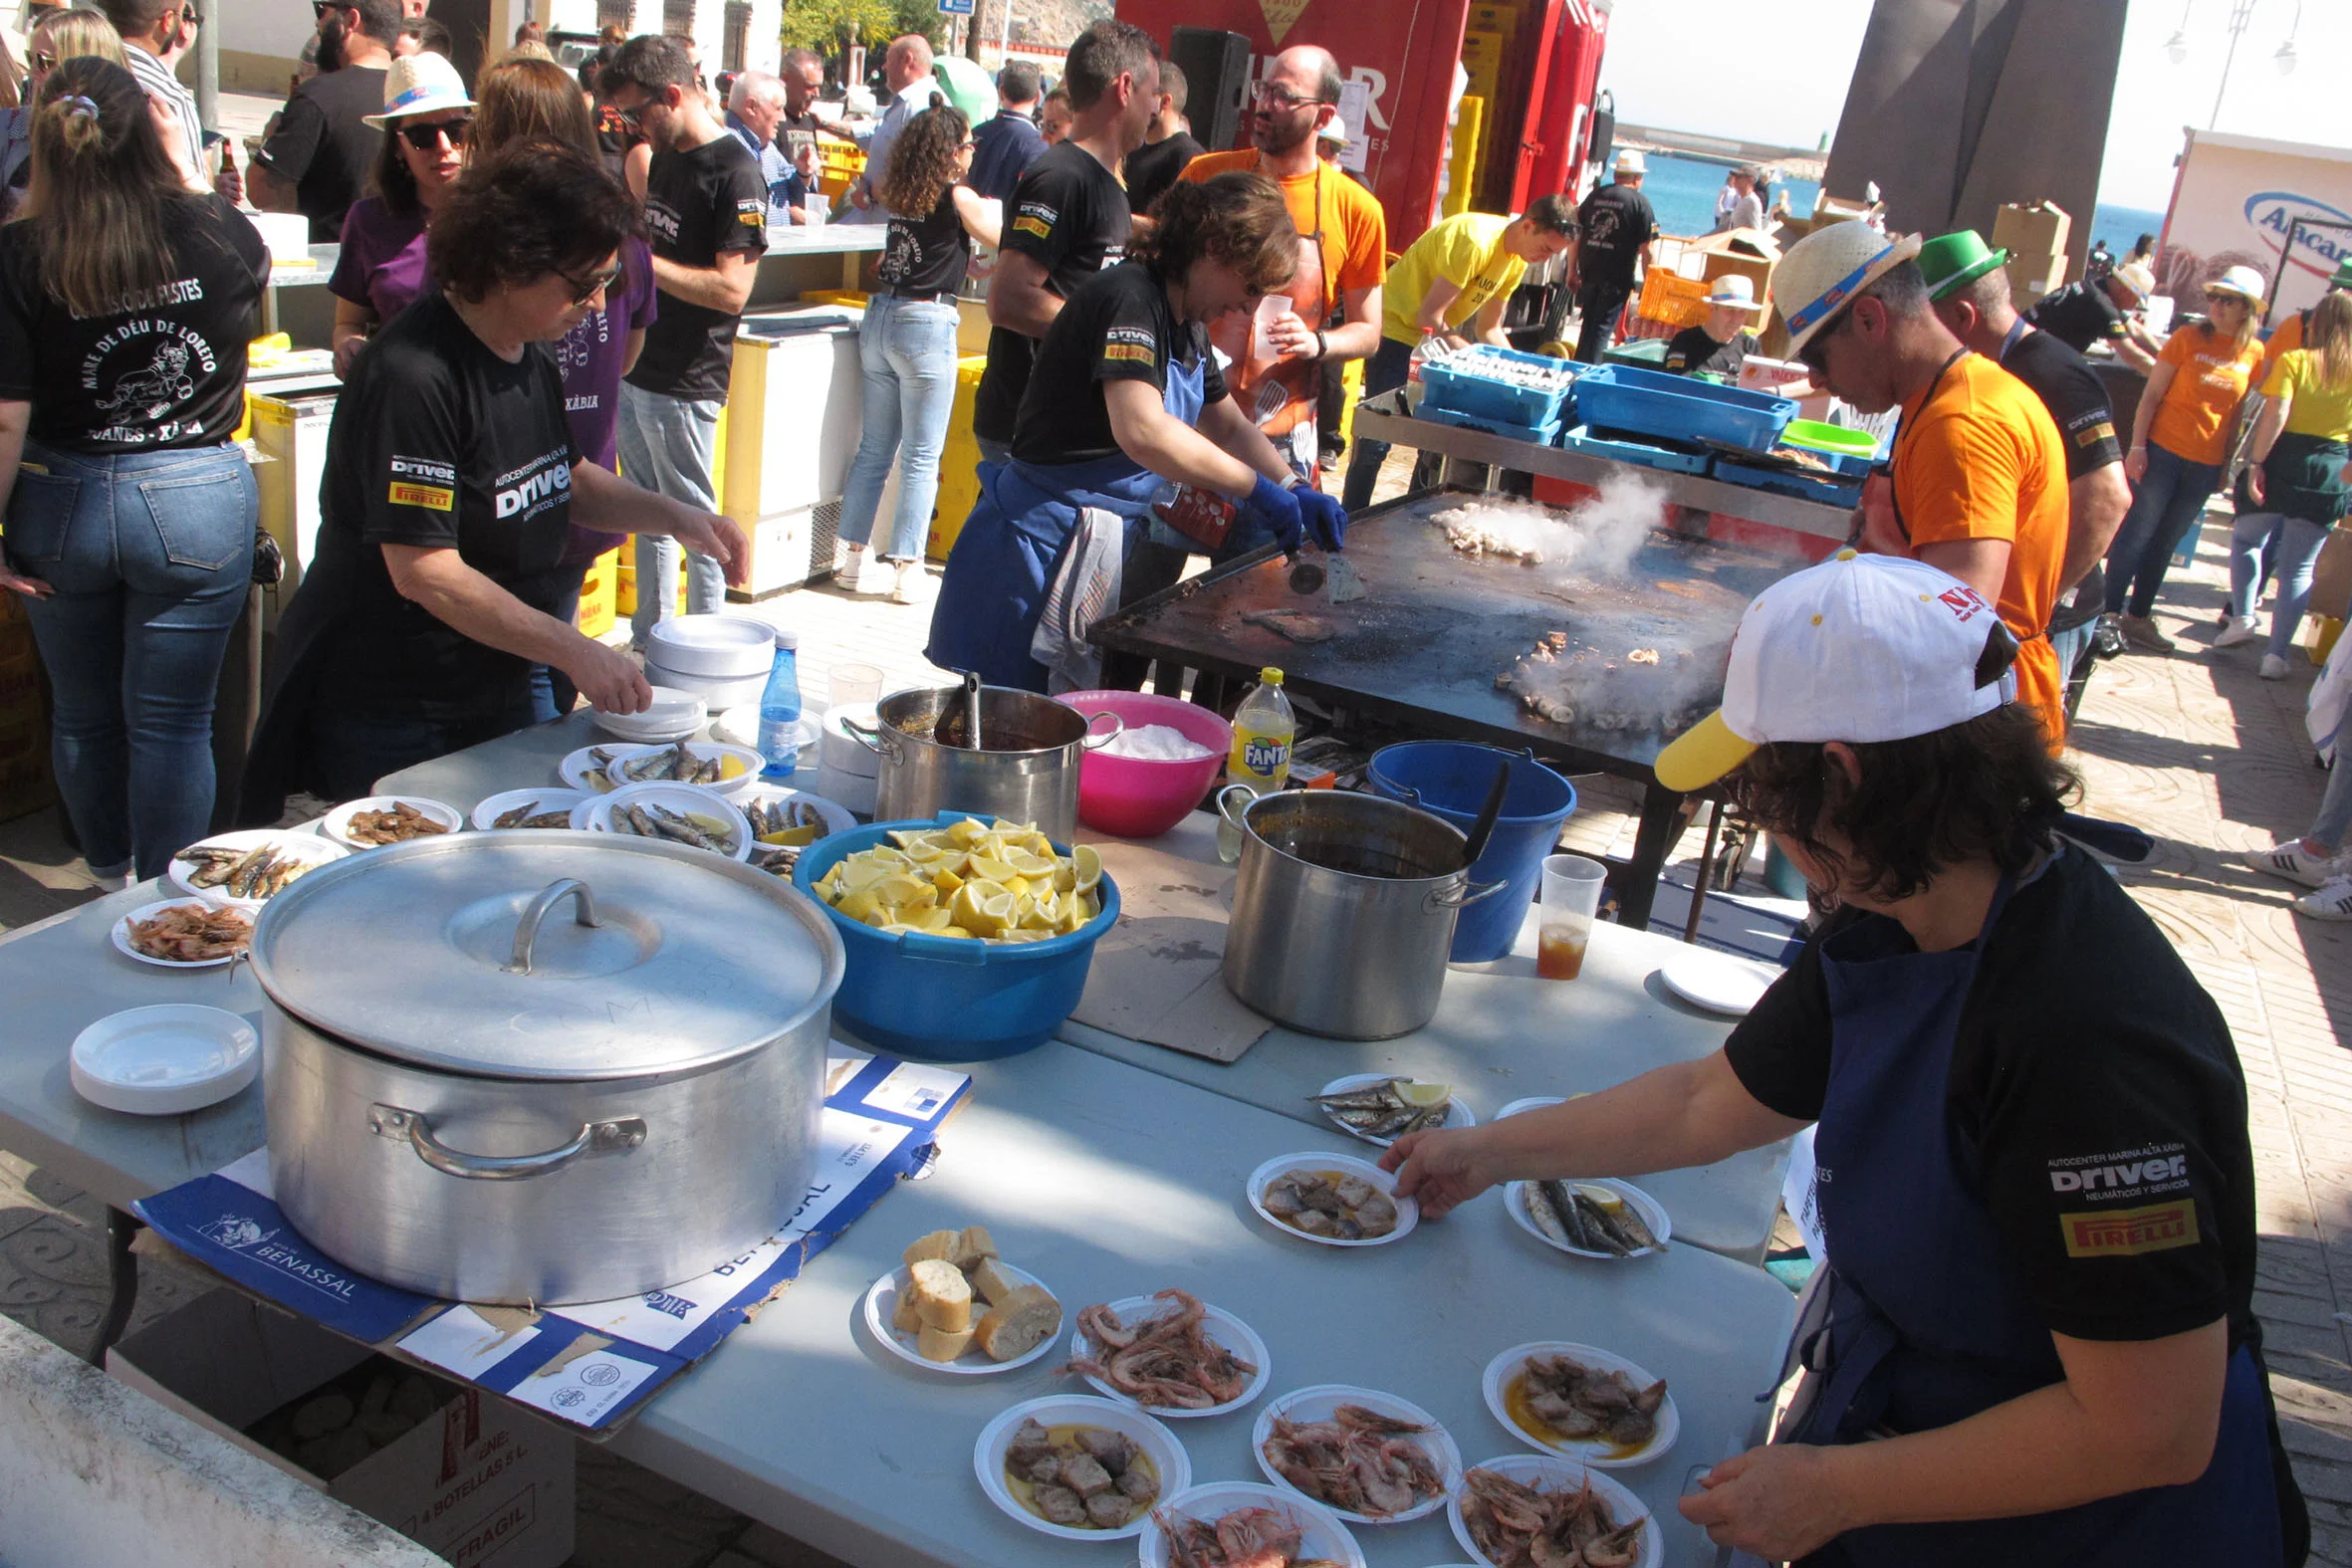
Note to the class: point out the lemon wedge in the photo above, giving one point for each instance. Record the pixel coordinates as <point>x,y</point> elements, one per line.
<point>733,766</point>
<point>1422,1096</point>
<point>1086,862</point>
<point>985,908</point>
<point>931,920</point>
<point>793,836</point>
<point>955,931</point>
<point>946,881</point>
<point>990,869</point>
<point>966,833</point>
<point>1029,863</point>
<point>908,837</point>
<point>904,891</point>
<point>859,906</point>
<point>1607,1197</point>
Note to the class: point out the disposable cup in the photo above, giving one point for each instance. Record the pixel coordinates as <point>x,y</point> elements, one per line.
<point>856,683</point>
<point>1563,926</point>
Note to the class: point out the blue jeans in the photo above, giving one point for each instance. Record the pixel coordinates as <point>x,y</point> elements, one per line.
<point>2166,504</point>
<point>907,348</point>
<point>552,691</point>
<point>667,445</point>
<point>2297,544</point>
<point>1385,371</point>
<point>150,554</point>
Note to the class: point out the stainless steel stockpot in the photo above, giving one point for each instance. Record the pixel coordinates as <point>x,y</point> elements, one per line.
<point>1343,910</point>
<point>1027,770</point>
<point>541,1067</point>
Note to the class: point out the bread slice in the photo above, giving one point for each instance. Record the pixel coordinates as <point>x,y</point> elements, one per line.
<point>939,1243</point>
<point>939,1344</point>
<point>974,1247</point>
<point>1024,1318</point>
<point>942,1295</point>
<point>904,1317</point>
<point>991,1282</point>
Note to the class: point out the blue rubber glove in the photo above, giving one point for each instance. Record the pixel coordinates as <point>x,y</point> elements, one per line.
<point>1325,518</point>
<point>1274,508</point>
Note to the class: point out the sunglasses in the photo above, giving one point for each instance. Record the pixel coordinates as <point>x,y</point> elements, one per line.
<point>583,291</point>
<point>631,119</point>
<point>426,137</point>
<point>1815,356</point>
<point>42,61</point>
<point>320,8</point>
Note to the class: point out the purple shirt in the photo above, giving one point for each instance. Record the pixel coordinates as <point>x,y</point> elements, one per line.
<point>589,358</point>
<point>383,263</point>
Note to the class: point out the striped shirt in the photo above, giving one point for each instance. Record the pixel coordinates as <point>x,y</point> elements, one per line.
<point>164,88</point>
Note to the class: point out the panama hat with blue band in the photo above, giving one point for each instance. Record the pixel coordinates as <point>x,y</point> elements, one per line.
<point>418,84</point>
<point>1825,269</point>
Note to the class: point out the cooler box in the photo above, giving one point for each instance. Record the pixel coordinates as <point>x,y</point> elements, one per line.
<point>959,462</point>
<point>290,421</point>
<point>791,426</point>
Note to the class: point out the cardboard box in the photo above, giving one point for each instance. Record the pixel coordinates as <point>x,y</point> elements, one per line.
<point>2332,577</point>
<point>2035,229</point>
<point>480,1480</point>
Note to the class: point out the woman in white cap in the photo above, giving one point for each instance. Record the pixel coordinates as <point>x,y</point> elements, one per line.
<point>2033,1340</point>
<point>2180,439</point>
<point>1718,345</point>
<point>428,115</point>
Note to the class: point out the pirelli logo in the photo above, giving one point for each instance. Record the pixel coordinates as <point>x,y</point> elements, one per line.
<point>2102,431</point>
<point>1029,224</point>
<point>2127,1232</point>
<point>1135,352</point>
<point>405,494</point>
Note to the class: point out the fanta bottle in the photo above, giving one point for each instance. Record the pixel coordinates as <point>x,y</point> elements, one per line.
<point>1262,729</point>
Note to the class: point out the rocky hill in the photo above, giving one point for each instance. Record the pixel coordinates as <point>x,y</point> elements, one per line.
<point>1052,23</point>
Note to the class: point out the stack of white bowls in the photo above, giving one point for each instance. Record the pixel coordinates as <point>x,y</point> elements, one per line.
<point>723,659</point>
<point>847,772</point>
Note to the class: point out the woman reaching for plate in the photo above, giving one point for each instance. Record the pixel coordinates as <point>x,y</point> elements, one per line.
<point>2033,1339</point>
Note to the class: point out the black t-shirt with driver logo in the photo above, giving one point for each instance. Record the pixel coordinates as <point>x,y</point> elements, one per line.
<point>1117,328</point>
<point>700,205</point>
<point>441,444</point>
<point>1068,215</point>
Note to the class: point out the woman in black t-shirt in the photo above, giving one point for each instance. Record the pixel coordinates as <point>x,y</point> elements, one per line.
<point>126,304</point>
<point>451,485</point>
<point>907,343</point>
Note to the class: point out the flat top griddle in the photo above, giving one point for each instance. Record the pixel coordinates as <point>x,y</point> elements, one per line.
<point>1437,626</point>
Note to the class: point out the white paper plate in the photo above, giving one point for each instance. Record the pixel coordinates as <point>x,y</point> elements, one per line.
<point>1533,1102</point>
<point>335,824</point>
<point>573,769</point>
<point>1318,1402</point>
<point>540,800</point>
<point>163,1060</point>
<point>837,818</point>
<point>1057,1410</point>
<point>308,846</point>
<point>595,812</point>
<point>1718,982</point>
<point>673,716</point>
<point>715,646</point>
<point>702,750</point>
<point>1550,1472</point>
<point>1601,1456</point>
<point>1325,1539</point>
<point>881,1302</point>
<point>1652,1211</point>
<point>121,933</point>
<point>1221,1326</point>
<point>1457,1113</point>
<point>740,726</point>
<point>1408,1210</point>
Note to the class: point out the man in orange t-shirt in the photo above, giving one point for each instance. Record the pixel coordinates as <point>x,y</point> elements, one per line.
<point>1979,472</point>
<point>1334,297</point>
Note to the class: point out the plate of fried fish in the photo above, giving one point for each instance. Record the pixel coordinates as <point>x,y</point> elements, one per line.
<point>1381,1107</point>
<point>245,868</point>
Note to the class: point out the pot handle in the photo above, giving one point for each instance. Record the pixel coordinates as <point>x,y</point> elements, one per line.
<point>870,736</point>
<point>1224,802</point>
<point>584,912</point>
<point>1094,741</point>
<point>1466,894</point>
<point>412,1128</point>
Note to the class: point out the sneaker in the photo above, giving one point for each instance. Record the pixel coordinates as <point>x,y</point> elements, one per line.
<point>2294,862</point>
<point>2274,667</point>
<point>2235,630</point>
<point>2332,902</point>
<point>908,584</point>
<point>2107,637</point>
<point>846,574</point>
<point>2140,632</point>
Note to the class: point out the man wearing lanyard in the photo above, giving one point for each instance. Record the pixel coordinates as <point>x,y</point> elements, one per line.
<point>1967,281</point>
<point>1331,311</point>
<point>2032,1342</point>
<point>1979,476</point>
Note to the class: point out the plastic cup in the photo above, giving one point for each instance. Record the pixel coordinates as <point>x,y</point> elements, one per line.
<point>1563,926</point>
<point>855,683</point>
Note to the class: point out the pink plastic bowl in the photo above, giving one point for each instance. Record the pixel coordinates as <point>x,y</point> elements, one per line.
<point>1136,799</point>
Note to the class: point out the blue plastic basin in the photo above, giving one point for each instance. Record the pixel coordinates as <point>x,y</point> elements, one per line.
<point>1650,402</point>
<point>1450,780</point>
<point>950,998</point>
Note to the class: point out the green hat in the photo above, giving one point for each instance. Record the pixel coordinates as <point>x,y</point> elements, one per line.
<point>1952,260</point>
<point>2343,275</point>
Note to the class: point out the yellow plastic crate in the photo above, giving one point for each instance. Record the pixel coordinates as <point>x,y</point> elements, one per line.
<point>2325,629</point>
<point>959,462</point>
<point>856,296</point>
<point>598,595</point>
<point>1671,297</point>
<point>625,592</point>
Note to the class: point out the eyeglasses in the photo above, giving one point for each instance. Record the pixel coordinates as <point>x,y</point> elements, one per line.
<point>190,15</point>
<point>1282,97</point>
<point>581,292</point>
<point>42,61</point>
<point>1815,356</point>
<point>425,138</point>
<point>629,119</point>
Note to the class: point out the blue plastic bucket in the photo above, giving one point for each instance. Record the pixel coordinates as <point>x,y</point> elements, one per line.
<point>1449,779</point>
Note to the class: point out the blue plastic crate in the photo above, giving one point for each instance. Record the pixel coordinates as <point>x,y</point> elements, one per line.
<point>1545,434</point>
<point>1780,481</point>
<point>1454,383</point>
<point>1649,402</point>
<point>1622,447</point>
<point>1845,465</point>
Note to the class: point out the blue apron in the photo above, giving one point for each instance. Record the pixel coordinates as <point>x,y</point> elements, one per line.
<point>1928,1321</point>
<point>994,588</point>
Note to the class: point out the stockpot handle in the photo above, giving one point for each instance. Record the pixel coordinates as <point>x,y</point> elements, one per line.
<point>870,736</point>
<point>584,912</point>
<point>413,1128</point>
<point>1463,897</point>
<point>1231,813</point>
<point>1094,741</point>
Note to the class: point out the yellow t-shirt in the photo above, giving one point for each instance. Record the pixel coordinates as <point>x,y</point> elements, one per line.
<point>1467,250</point>
<point>2209,376</point>
<point>2316,409</point>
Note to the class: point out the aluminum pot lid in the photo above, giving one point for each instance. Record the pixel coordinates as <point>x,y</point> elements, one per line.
<point>411,951</point>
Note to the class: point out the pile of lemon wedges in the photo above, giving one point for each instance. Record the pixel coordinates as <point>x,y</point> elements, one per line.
<point>988,881</point>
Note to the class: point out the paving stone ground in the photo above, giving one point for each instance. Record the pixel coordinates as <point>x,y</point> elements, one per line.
<point>2193,747</point>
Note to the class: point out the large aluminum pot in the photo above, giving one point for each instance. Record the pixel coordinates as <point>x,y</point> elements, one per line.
<point>1027,769</point>
<point>1343,910</point>
<point>541,1067</point>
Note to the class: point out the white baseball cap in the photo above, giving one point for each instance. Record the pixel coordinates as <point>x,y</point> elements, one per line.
<point>1630,162</point>
<point>1859,648</point>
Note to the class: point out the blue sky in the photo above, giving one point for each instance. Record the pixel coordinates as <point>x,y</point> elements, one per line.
<point>1777,70</point>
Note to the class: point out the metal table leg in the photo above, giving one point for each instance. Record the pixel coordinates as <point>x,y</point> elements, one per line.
<point>121,1283</point>
<point>1690,927</point>
<point>1637,889</point>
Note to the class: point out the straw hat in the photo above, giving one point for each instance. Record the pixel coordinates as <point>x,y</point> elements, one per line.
<point>2241,281</point>
<point>1827,268</point>
<point>1630,162</point>
<point>1732,289</point>
<point>1954,261</point>
<point>2135,277</point>
<point>418,84</point>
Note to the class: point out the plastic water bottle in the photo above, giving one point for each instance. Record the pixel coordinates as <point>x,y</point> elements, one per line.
<point>1262,729</point>
<point>779,709</point>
